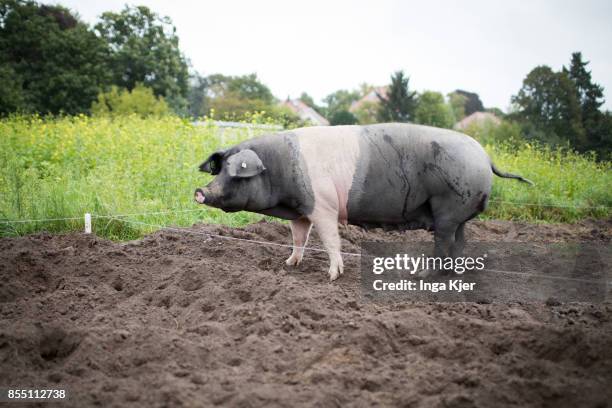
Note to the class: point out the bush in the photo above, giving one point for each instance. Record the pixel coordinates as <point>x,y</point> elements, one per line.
<point>342,117</point>
<point>235,108</point>
<point>255,112</point>
<point>285,117</point>
<point>431,110</point>
<point>139,101</point>
<point>366,113</point>
<point>491,133</point>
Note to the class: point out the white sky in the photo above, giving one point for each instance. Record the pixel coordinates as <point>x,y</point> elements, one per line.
<point>316,46</point>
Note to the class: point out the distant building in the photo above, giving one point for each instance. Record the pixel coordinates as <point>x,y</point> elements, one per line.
<point>371,97</point>
<point>305,112</point>
<point>477,117</point>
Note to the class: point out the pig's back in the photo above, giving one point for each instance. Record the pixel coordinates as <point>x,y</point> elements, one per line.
<point>383,173</point>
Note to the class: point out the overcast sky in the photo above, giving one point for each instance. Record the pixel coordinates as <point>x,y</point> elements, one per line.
<point>320,46</point>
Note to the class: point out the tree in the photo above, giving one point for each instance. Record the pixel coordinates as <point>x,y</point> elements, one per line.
<point>342,117</point>
<point>590,99</point>
<point>250,87</point>
<point>472,102</point>
<point>197,98</point>
<point>145,49</point>
<point>365,88</point>
<point>548,103</point>
<point>231,106</point>
<point>457,103</point>
<point>590,95</point>
<point>496,111</point>
<point>307,99</point>
<point>508,133</point>
<point>601,139</point>
<point>565,106</point>
<point>244,87</point>
<point>399,103</point>
<point>234,96</point>
<point>218,85</point>
<point>366,113</point>
<point>140,101</point>
<point>431,110</point>
<point>12,96</point>
<point>340,100</point>
<point>286,117</point>
<point>49,60</point>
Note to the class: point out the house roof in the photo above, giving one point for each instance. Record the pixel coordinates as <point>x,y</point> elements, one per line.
<point>477,117</point>
<point>305,112</point>
<point>371,96</point>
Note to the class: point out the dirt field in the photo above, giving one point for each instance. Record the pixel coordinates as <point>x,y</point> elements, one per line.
<point>179,319</point>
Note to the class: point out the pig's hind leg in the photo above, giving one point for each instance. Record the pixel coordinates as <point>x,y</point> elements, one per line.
<point>457,248</point>
<point>300,229</point>
<point>445,227</point>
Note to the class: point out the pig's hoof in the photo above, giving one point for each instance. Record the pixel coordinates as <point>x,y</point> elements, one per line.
<point>293,260</point>
<point>334,273</point>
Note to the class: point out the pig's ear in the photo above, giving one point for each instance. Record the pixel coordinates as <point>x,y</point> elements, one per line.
<point>213,164</point>
<point>244,164</point>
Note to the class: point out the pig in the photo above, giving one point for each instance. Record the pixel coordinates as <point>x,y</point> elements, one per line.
<point>394,175</point>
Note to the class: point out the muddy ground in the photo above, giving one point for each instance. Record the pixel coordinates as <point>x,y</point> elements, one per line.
<point>179,319</point>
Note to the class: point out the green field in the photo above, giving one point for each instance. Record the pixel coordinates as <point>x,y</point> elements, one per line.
<point>57,168</point>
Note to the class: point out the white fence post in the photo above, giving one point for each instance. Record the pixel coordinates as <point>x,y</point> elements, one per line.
<point>87,223</point>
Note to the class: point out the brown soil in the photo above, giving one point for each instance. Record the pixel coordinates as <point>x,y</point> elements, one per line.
<point>179,319</point>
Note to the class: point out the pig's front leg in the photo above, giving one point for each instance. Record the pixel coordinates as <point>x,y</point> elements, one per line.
<point>300,229</point>
<point>326,223</point>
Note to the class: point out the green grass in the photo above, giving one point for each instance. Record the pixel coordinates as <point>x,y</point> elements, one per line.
<point>566,184</point>
<point>70,166</point>
<point>55,168</point>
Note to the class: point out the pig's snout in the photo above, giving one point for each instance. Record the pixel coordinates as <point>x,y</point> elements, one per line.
<point>199,196</point>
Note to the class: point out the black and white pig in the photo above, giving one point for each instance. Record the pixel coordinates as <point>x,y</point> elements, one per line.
<point>390,175</point>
